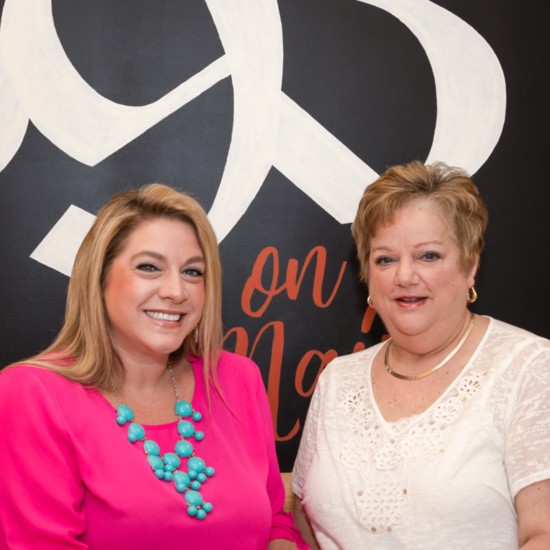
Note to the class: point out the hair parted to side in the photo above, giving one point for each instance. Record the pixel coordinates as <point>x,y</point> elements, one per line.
<point>450,188</point>
<point>84,343</point>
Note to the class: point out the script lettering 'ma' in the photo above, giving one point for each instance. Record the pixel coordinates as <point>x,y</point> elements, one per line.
<point>267,281</point>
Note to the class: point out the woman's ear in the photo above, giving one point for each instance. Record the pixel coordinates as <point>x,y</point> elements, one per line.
<point>473,272</point>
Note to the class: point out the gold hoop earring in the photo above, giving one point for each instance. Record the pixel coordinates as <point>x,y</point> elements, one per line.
<point>369,302</point>
<point>472,295</point>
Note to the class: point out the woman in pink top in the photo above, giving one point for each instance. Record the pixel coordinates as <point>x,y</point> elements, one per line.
<point>133,429</point>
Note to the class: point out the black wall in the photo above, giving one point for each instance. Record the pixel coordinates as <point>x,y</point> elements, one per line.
<point>361,74</point>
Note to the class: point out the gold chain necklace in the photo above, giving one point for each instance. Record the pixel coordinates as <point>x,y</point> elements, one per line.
<point>433,369</point>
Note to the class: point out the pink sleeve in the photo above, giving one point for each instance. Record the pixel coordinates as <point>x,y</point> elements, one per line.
<point>283,523</point>
<point>41,493</point>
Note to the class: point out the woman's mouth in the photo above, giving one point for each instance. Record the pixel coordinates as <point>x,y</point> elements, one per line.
<point>162,316</point>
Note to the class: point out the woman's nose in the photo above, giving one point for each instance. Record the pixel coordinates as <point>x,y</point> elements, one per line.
<point>405,273</point>
<point>173,287</point>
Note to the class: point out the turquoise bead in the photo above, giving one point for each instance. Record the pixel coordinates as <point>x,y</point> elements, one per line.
<point>199,436</point>
<point>207,507</point>
<point>181,477</point>
<point>135,432</point>
<point>155,462</point>
<point>151,447</point>
<point>197,464</point>
<point>193,498</point>
<point>209,471</point>
<point>171,461</point>
<point>201,514</point>
<point>125,414</point>
<point>196,485</point>
<point>182,481</point>
<point>185,428</point>
<point>183,409</point>
<point>192,510</point>
<point>184,448</point>
<point>197,416</point>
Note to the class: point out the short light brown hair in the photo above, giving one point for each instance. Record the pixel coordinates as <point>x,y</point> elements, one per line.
<point>85,336</point>
<point>450,188</point>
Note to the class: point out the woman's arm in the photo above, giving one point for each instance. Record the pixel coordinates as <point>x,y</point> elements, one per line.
<point>303,524</point>
<point>282,544</point>
<point>284,534</point>
<point>41,492</point>
<point>533,509</point>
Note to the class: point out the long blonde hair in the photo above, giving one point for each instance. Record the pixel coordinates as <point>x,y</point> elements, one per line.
<point>83,350</point>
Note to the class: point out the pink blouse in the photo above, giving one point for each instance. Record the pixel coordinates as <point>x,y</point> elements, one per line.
<point>71,479</point>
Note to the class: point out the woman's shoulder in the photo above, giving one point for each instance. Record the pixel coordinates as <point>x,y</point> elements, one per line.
<point>229,359</point>
<point>357,359</point>
<point>349,368</point>
<point>513,355</point>
<point>38,388</point>
<point>28,374</point>
<point>508,337</point>
<point>234,369</point>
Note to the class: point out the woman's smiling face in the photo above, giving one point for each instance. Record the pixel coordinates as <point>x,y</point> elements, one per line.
<point>417,283</point>
<point>154,291</point>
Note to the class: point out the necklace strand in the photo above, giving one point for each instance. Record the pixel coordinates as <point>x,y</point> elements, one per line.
<point>451,354</point>
<point>165,466</point>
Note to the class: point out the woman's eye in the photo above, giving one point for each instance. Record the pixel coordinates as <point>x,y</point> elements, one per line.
<point>147,268</point>
<point>431,256</point>
<point>383,260</point>
<point>193,273</point>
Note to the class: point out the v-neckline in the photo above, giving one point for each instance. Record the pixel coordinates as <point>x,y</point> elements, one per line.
<point>400,423</point>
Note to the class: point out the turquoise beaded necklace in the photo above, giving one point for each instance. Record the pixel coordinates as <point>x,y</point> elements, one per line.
<point>165,467</point>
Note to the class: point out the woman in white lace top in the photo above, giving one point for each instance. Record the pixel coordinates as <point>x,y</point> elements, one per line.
<point>438,437</point>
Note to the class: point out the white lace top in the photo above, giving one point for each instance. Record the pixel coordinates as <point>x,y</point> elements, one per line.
<point>443,479</point>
